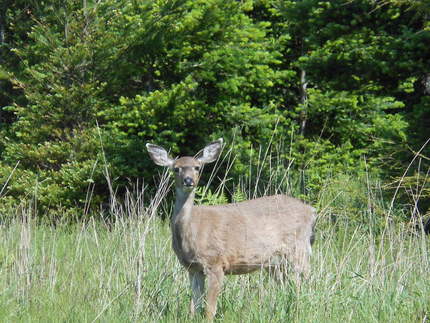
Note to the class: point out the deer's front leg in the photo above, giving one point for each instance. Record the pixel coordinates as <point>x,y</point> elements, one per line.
<point>215,278</point>
<point>197,282</point>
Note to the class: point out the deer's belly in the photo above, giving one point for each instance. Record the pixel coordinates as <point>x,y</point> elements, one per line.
<point>244,266</point>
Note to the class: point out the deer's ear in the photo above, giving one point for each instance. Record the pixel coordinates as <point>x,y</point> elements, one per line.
<point>159,155</point>
<point>211,152</point>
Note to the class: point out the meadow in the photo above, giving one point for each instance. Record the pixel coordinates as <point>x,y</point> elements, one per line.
<point>126,271</point>
<point>328,101</point>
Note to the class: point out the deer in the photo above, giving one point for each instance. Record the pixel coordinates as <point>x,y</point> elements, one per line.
<point>236,238</point>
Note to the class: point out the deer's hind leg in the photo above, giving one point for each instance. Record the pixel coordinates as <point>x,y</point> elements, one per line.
<point>294,263</point>
<point>278,269</point>
<point>300,262</point>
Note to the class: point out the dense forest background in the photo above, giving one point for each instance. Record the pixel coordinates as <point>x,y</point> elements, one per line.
<point>326,88</point>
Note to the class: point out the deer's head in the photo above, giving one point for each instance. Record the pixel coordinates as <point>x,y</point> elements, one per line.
<point>187,169</point>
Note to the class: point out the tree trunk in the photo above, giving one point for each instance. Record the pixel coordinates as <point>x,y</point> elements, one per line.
<point>3,23</point>
<point>303,101</point>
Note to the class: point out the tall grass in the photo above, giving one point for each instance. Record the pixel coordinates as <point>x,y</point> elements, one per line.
<point>126,271</point>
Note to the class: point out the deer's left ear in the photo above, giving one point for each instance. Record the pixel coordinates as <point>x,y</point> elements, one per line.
<point>211,152</point>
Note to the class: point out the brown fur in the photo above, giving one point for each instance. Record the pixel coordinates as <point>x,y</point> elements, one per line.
<point>236,238</point>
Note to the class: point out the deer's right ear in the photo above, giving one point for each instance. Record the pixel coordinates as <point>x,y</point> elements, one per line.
<point>159,155</point>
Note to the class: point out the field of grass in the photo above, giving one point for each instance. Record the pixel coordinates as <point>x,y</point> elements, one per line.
<point>127,272</point>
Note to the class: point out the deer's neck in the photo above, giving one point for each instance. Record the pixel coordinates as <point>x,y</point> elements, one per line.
<point>183,205</point>
<point>182,240</point>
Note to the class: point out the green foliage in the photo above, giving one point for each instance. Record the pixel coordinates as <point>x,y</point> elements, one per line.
<point>205,196</point>
<point>310,88</point>
<point>238,195</point>
<point>200,77</point>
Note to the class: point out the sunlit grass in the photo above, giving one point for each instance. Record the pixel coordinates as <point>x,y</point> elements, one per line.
<point>364,267</point>
<point>128,272</point>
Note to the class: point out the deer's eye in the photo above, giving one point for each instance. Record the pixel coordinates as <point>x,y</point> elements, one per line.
<point>176,169</point>
<point>197,168</point>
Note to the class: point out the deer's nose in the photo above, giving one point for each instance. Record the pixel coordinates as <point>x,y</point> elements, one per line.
<point>188,181</point>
